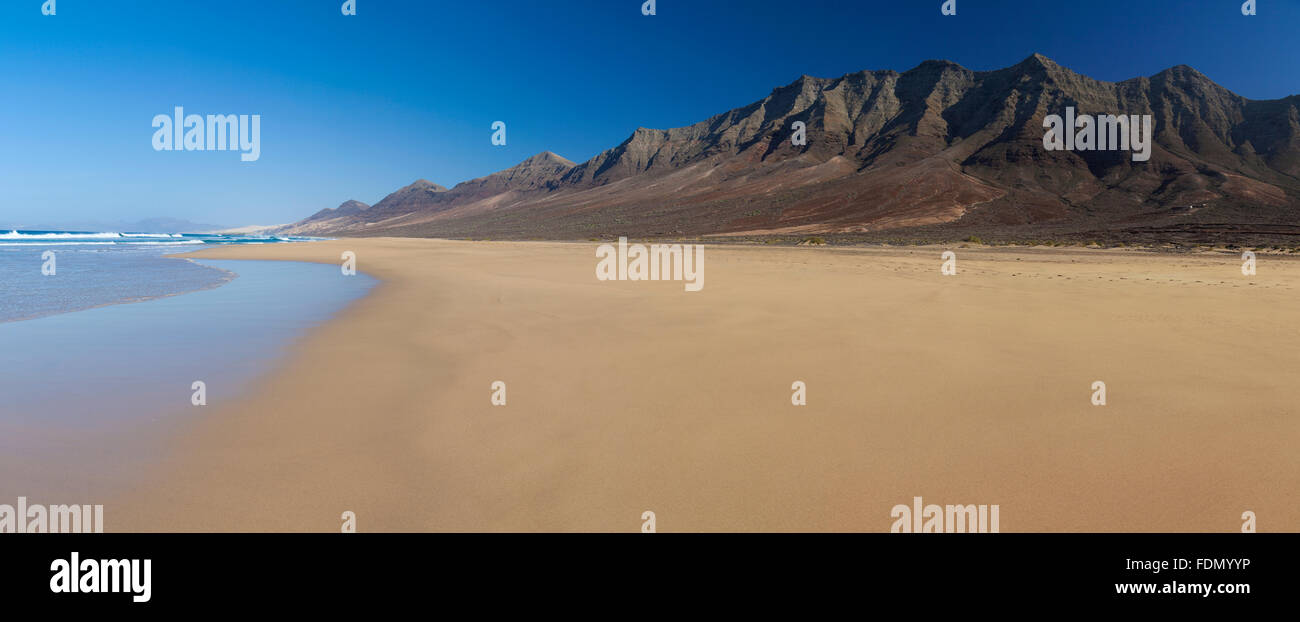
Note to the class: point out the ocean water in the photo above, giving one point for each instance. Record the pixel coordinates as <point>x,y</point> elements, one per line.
<point>83,360</point>
<point>48,272</point>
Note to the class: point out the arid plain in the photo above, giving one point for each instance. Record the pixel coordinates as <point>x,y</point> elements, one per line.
<point>624,397</point>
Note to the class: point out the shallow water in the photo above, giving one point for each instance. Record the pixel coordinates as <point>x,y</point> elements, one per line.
<point>48,272</point>
<point>128,362</point>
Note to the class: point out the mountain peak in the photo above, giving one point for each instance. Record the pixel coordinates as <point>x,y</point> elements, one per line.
<point>547,158</point>
<point>346,208</point>
<point>1038,66</point>
<point>424,184</point>
<point>938,64</point>
<point>1038,61</point>
<point>1183,71</point>
<point>803,83</point>
<point>543,170</point>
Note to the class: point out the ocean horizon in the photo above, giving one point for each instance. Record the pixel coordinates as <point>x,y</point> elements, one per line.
<point>46,272</point>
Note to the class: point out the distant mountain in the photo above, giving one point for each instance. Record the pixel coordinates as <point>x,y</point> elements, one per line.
<point>149,225</point>
<point>342,213</point>
<point>250,230</point>
<point>936,146</point>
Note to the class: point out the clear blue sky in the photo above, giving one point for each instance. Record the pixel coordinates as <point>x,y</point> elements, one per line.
<point>355,107</point>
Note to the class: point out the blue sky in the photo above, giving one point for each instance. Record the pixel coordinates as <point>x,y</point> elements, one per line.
<point>356,107</point>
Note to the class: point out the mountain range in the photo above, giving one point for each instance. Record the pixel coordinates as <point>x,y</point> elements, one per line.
<point>936,150</point>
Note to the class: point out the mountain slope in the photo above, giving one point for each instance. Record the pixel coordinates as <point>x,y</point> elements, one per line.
<point>936,145</point>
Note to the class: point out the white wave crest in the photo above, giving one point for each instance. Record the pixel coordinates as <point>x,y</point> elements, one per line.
<point>15,235</point>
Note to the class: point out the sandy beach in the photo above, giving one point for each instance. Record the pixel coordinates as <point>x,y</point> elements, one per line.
<point>624,397</point>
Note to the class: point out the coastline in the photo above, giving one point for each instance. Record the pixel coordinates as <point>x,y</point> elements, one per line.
<point>93,396</point>
<point>626,397</point>
<point>227,276</point>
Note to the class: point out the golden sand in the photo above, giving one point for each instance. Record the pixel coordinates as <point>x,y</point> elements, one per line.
<point>624,397</point>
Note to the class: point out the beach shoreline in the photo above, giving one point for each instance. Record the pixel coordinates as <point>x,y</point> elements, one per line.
<point>626,397</point>
<point>93,396</point>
